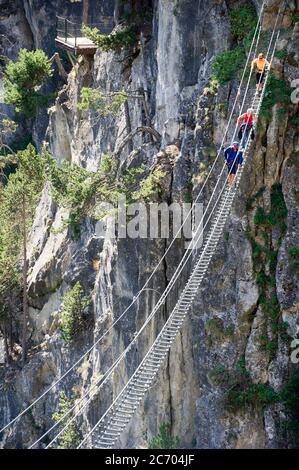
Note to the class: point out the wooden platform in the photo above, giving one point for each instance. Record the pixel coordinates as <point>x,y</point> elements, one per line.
<point>78,45</point>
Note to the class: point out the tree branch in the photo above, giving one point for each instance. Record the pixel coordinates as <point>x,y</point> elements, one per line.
<point>138,130</point>
<point>56,58</point>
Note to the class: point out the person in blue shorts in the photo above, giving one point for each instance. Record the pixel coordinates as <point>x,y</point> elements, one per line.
<point>233,157</point>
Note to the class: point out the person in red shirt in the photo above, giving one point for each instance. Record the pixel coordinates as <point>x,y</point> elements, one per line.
<point>247,120</point>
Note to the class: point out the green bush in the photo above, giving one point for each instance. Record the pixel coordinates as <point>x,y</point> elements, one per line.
<point>263,280</point>
<point>295,120</point>
<point>254,394</point>
<point>282,54</point>
<point>82,191</point>
<point>164,439</point>
<point>242,392</point>
<point>260,217</point>
<point>256,196</point>
<point>70,438</point>
<point>150,187</point>
<point>214,326</point>
<point>278,212</point>
<point>92,99</point>
<point>294,256</point>
<point>243,21</point>
<point>265,255</point>
<point>71,313</point>
<point>219,375</point>
<point>23,80</point>
<point>227,64</point>
<point>277,92</point>
<point>110,42</point>
<point>229,331</point>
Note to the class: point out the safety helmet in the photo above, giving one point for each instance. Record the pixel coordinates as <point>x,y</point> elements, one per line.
<point>236,144</point>
<point>249,111</point>
<point>261,55</point>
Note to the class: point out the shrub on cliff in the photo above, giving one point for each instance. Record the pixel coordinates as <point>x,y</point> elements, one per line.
<point>18,201</point>
<point>23,80</point>
<point>70,438</point>
<point>71,314</point>
<point>164,440</point>
<point>243,21</point>
<point>95,100</point>
<point>227,64</point>
<point>110,42</point>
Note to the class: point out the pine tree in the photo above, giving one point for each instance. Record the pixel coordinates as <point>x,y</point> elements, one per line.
<point>18,201</point>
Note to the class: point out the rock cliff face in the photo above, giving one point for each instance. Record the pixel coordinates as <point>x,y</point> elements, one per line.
<point>228,320</point>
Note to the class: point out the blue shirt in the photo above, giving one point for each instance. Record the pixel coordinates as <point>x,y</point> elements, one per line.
<point>233,156</point>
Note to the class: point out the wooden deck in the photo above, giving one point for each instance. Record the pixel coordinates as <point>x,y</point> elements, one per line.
<point>69,35</point>
<point>76,45</point>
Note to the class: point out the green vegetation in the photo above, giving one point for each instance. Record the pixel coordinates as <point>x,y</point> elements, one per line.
<point>71,313</point>
<point>263,280</point>
<point>18,200</point>
<point>70,438</point>
<point>241,392</point>
<point>110,42</point>
<point>23,80</point>
<point>294,256</point>
<point>243,21</point>
<point>227,64</point>
<point>265,263</point>
<point>82,192</point>
<point>219,376</point>
<point>252,394</point>
<point>289,398</point>
<point>92,99</point>
<point>164,439</point>
<point>278,213</point>
<point>71,190</point>
<point>295,120</point>
<point>150,187</point>
<point>256,196</point>
<point>215,327</point>
<point>277,92</point>
<point>295,19</point>
<point>229,331</point>
<point>282,54</point>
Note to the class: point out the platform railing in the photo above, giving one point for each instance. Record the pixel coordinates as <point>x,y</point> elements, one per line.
<point>69,31</point>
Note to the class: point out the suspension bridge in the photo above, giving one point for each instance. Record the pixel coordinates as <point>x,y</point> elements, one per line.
<point>115,420</point>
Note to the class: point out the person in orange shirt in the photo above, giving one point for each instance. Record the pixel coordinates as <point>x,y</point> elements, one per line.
<point>261,64</point>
